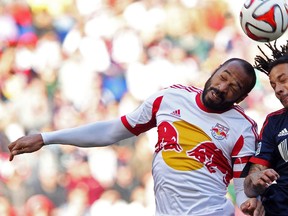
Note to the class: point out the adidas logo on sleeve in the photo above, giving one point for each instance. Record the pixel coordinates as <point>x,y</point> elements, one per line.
<point>283,132</point>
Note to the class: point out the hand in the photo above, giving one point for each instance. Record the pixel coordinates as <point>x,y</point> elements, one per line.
<point>25,144</point>
<point>263,179</point>
<point>253,207</point>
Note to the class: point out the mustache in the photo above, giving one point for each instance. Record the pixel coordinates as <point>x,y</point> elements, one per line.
<point>282,98</point>
<point>217,92</point>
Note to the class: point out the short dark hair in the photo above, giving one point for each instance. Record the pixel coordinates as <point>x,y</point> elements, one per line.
<point>249,69</point>
<point>279,56</point>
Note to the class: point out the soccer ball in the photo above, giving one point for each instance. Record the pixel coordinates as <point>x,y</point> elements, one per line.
<point>264,20</point>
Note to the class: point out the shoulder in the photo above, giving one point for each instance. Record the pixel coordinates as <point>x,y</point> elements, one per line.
<point>277,114</point>
<point>182,88</point>
<point>241,112</point>
<point>244,122</point>
<point>276,119</point>
<point>173,93</point>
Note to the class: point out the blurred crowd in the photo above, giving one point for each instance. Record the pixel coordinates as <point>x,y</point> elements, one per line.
<point>64,63</point>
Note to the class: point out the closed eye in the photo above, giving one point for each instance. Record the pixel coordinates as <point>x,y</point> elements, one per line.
<point>273,85</point>
<point>223,78</point>
<point>233,88</point>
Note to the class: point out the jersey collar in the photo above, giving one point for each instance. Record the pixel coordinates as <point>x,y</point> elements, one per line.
<point>204,108</point>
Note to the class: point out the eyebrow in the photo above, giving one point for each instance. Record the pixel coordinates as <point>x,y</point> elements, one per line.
<point>278,77</point>
<point>239,85</point>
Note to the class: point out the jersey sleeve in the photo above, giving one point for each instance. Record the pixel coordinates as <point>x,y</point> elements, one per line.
<point>244,149</point>
<point>144,117</point>
<point>265,146</point>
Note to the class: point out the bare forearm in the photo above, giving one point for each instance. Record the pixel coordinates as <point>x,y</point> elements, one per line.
<point>249,189</point>
<point>259,178</point>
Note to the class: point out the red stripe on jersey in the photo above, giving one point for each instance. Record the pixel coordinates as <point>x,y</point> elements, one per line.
<point>264,125</point>
<point>260,161</point>
<point>238,146</point>
<point>187,88</point>
<point>242,160</point>
<point>253,123</point>
<point>237,174</point>
<point>141,128</point>
<point>204,108</point>
<point>239,108</point>
<point>278,112</point>
<point>126,124</point>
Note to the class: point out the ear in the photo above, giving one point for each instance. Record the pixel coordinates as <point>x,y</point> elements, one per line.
<point>241,99</point>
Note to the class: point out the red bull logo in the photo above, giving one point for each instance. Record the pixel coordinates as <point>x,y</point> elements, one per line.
<point>186,147</point>
<point>219,131</point>
<point>213,158</point>
<point>168,139</point>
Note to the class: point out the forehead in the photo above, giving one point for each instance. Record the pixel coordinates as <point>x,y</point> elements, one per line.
<point>278,71</point>
<point>236,71</point>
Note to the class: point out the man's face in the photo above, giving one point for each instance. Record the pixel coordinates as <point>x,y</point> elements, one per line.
<point>228,84</point>
<point>279,82</point>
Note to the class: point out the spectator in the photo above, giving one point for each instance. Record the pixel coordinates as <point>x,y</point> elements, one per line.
<point>39,205</point>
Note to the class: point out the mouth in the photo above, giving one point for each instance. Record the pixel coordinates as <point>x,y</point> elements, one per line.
<point>215,96</point>
<point>284,99</point>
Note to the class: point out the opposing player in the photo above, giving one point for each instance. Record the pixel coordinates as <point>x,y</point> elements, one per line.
<point>269,172</point>
<point>204,140</point>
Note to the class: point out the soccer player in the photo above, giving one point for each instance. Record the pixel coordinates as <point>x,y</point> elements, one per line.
<point>269,172</point>
<point>204,140</point>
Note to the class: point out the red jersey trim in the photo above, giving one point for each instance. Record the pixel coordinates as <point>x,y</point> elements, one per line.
<point>253,123</point>
<point>187,88</point>
<point>238,146</point>
<point>242,160</point>
<point>126,124</point>
<point>204,108</point>
<point>259,161</point>
<point>141,128</point>
<point>278,112</point>
<point>237,174</point>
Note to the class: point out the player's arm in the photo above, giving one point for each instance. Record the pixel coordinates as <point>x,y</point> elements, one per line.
<point>101,133</point>
<point>96,134</point>
<point>249,206</point>
<point>259,178</point>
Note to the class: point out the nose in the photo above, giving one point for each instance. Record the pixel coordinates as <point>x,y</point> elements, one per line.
<point>278,89</point>
<point>223,87</point>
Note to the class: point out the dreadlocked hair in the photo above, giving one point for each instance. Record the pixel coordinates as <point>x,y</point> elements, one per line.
<point>265,64</point>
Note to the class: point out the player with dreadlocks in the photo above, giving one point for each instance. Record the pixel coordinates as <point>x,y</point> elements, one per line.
<point>268,175</point>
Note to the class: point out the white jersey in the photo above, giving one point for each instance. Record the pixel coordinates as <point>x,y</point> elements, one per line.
<point>198,151</point>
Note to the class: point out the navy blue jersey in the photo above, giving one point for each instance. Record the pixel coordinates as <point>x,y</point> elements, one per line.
<point>272,152</point>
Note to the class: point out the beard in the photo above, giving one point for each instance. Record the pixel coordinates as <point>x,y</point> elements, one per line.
<point>219,104</point>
